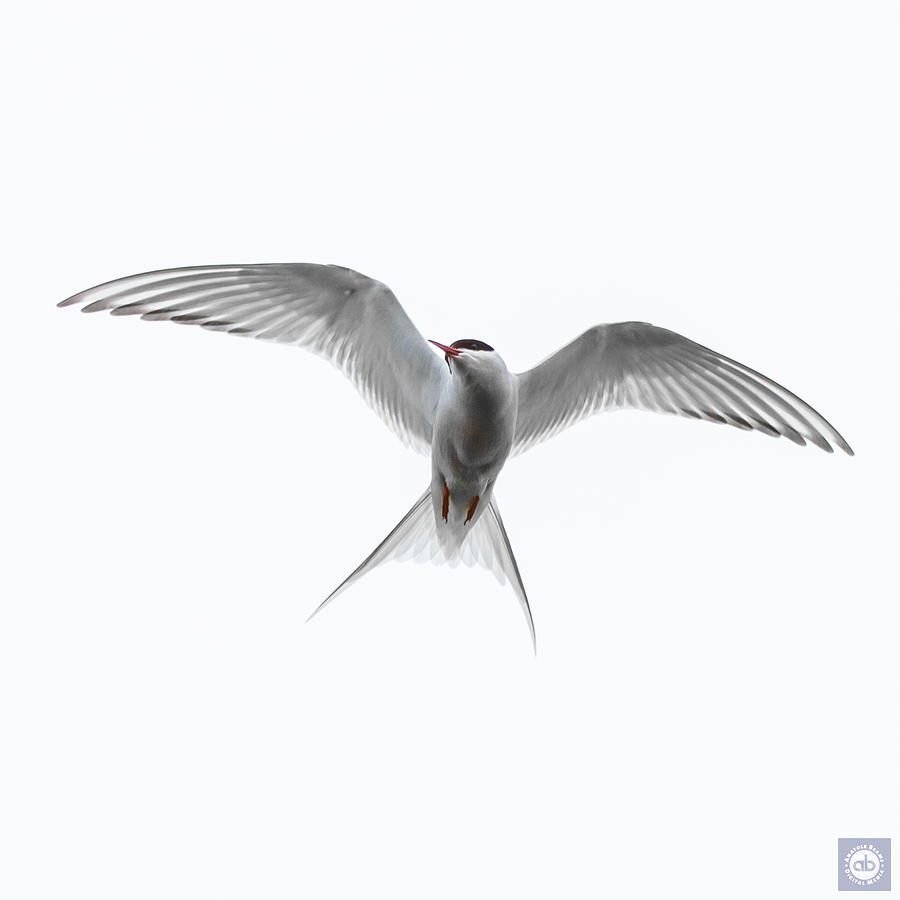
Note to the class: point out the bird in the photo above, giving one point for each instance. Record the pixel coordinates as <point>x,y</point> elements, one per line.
<point>461,405</point>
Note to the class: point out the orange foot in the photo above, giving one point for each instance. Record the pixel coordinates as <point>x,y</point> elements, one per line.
<point>472,507</point>
<point>445,502</point>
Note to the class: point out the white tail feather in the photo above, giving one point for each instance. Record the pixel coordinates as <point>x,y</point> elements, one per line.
<point>415,537</point>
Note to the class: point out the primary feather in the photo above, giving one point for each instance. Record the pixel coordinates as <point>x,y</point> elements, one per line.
<point>349,319</point>
<point>639,366</point>
<point>473,414</point>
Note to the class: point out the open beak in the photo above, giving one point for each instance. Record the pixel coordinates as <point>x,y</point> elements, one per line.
<point>451,351</point>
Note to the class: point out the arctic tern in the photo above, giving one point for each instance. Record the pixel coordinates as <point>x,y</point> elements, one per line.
<point>466,410</point>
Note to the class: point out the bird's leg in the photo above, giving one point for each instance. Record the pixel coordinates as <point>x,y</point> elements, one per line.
<point>472,507</point>
<point>445,502</point>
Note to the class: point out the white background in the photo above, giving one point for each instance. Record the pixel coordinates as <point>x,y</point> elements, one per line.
<point>715,699</point>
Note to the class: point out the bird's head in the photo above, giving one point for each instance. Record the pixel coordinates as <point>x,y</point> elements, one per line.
<point>468,354</point>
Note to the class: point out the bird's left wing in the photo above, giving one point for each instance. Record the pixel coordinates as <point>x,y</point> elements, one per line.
<point>353,321</point>
<point>639,366</point>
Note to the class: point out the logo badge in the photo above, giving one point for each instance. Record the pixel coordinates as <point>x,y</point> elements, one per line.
<point>864,864</point>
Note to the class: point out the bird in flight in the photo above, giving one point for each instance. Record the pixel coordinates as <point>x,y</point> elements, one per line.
<point>461,406</point>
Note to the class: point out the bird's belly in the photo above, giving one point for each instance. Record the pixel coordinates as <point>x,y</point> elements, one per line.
<point>479,448</point>
<point>475,443</point>
<point>473,435</point>
<point>467,457</point>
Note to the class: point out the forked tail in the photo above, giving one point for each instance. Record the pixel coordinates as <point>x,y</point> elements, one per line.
<point>415,537</point>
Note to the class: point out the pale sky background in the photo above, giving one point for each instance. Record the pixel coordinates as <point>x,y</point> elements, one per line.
<point>715,699</point>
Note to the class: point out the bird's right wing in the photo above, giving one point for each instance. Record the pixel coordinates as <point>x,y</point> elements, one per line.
<point>353,321</point>
<point>633,365</point>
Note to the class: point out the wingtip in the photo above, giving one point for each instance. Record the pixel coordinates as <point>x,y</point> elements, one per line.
<point>845,446</point>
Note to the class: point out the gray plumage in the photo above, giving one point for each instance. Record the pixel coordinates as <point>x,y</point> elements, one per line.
<point>471,413</point>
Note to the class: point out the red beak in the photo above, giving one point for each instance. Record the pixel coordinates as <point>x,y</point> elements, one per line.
<point>450,350</point>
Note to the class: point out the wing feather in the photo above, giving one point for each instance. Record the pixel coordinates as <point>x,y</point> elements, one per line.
<point>353,321</point>
<point>639,366</point>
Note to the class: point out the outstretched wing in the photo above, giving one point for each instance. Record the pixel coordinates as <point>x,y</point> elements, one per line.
<point>353,321</point>
<point>639,366</point>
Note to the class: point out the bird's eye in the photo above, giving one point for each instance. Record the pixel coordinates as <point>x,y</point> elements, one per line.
<point>470,344</point>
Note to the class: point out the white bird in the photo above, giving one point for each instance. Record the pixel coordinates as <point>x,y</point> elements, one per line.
<point>469,412</point>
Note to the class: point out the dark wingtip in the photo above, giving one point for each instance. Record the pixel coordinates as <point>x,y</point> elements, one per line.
<point>839,440</point>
